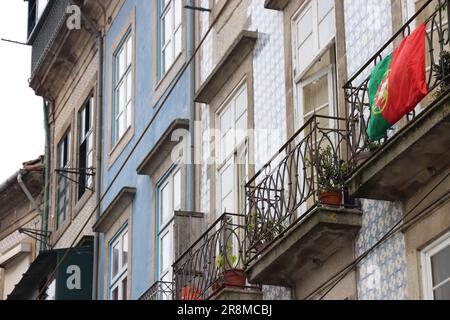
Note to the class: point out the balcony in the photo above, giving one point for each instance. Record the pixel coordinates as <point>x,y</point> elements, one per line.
<point>417,148</point>
<point>296,209</point>
<point>214,263</point>
<point>56,49</point>
<point>42,33</point>
<point>159,291</point>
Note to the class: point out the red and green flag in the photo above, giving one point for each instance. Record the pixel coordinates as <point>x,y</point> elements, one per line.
<point>397,84</point>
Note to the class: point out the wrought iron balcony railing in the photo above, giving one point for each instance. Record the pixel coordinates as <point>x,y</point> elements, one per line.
<point>45,32</point>
<point>215,260</point>
<point>435,14</point>
<point>159,291</point>
<point>308,172</point>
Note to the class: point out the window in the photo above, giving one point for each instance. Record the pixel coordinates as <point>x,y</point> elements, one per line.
<point>313,27</point>
<point>123,88</point>
<point>169,201</point>
<point>436,269</point>
<point>119,267</point>
<point>35,10</point>
<point>63,192</point>
<point>85,147</point>
<point>315,96</point>
<point>232,123</point>
<point>170,33</point>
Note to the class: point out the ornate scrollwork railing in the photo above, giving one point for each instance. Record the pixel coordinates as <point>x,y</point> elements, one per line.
<point>284,191</point>
<point>215,260</point>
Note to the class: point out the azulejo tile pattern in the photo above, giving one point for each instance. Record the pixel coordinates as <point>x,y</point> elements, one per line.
<point>368,25</point>
<point>269,96</point>
<point>382,274</point>
<point>269,82</point>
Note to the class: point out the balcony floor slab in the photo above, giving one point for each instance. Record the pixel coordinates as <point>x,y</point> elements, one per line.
<point>303,248</point>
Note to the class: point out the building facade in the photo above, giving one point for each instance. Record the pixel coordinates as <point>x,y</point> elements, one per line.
<point>21,203</point>
<point>218,149</point>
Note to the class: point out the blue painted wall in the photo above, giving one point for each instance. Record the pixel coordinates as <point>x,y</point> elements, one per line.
<point>177,106</point>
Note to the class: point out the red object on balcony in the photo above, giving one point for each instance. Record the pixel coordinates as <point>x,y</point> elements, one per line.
<point>333,198</point>
<point>235,278</point>
<point>191,293</point>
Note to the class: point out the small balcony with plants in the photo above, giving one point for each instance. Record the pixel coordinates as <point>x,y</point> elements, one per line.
<point>214,264</point>
<point>298,211</point>
<point>415,149</point>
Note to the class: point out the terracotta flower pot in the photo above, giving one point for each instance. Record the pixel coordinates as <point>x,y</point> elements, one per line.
<point>235,278</point>
<point>333,198</point>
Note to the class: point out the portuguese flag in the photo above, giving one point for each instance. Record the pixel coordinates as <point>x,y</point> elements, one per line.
<point>397,84</point>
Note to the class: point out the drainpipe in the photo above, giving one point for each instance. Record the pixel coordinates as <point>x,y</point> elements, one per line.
<point>45,212</point>
<point>98,177</point>
<point>190,51</point>
<point>94,29</point>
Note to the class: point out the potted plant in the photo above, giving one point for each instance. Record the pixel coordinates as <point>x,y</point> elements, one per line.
<point>442,73</point>
<point>266,230</point>
<point>330,176</point>
<point>368,151</point>
<point>232,276</point>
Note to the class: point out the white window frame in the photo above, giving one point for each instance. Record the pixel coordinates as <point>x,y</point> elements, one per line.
<point>299,106</point>
<point>86,137</point>
<point>169,11</point>
<point>116,281</point>
<point>313,5</point>
<point>426,254</point>
<point>165,227</point>
<point>233,158</point>
<point>66,140</point>
<point>121,84</point>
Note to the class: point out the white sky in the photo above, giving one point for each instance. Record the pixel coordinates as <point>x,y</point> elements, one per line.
<point>21,114</point>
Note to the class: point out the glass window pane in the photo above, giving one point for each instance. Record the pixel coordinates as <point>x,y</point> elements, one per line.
<point>115,260</point>
<point>165,204</point>
<point>125,250</point>
<point>306,53</point>
<point>228,204</point>
<point>327,29</point>
<point>315,95</point>
<point>177,13</point>
<point>241,129</point>
<point>129,115</point>
<point>241,103</point>
<point>166,253</point>
<point>124,288</point>
<point>129,86</point>
<point>121,64</point>
<point>122,125</point>
<point>177,190</point>
<point>129,51</point>
<point>440,264</point>
<point>324,7</point>
<point>304,26</point>
<point>115,294</point>
<point>226,189</point>
<point>167,24</point>
<point>168,56</point>
<point>226,121</point>
<point>178,40</point>
<point>442,293</point>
